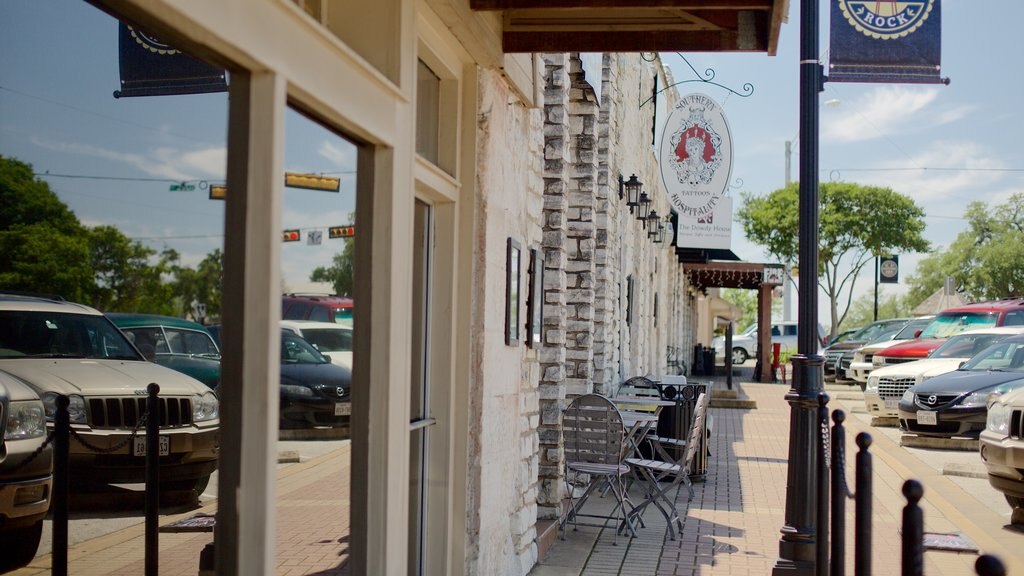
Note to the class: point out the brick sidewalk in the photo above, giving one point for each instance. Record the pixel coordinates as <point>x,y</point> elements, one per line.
<point>732,525</point>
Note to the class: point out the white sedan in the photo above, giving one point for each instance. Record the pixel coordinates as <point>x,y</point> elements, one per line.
<point>887,385</point>
<point>331,339</point>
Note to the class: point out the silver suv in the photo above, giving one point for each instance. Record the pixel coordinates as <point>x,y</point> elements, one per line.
<point>25,476</point>
<point>57,347</point>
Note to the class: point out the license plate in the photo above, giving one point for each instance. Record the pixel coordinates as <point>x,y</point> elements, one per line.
<point>891,403</point>
<point>342,409</point>
<point>139,447</point>
<point>927,417</point>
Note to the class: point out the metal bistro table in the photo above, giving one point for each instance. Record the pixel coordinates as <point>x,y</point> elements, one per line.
<point>638,421</point>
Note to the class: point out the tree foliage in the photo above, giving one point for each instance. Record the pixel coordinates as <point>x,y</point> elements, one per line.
<point>986,260</point>
<point>45,249</point>
<point>341,270</point>
<point>862,311</point>
<point>856,223</point>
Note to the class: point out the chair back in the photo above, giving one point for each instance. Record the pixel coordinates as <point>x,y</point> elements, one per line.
<point>700,413</point>
<point>592,430</point>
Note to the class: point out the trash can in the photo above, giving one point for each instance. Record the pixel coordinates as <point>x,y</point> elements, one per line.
<point>675,422</point>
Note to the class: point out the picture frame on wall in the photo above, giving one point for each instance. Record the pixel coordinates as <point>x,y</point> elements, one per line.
<point>535,301</point>
<point>513,257</point>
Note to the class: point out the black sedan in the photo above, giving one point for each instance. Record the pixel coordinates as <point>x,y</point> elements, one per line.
<point>314,392</point>
<point>955,403</point>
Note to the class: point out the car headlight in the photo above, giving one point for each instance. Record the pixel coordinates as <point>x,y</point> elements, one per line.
<point>985,396</point>
<point>205,407</point>
<point>25,420</point>
<point>76,407</point>
<point>998,419</point>
<point>877,360</point>
<point>872,383</point>
<point>908,396</point>
<point>296,390</point>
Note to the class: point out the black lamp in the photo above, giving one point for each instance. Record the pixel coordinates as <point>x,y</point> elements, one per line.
<point>631,190</point>
<point>644,206</point>
<point>651,223</point>
<point>663,230</point>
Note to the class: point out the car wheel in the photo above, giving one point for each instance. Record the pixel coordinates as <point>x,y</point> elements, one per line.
<point>1014,501</point>
<point>739,356</point>
<point>20,546</point>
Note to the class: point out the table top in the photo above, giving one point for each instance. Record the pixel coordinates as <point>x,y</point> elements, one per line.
<point>642,401</point>
<point>630,419</point>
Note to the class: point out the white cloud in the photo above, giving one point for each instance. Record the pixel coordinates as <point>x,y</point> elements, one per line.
<point>336,154</point>
<point>171,163</point>
<point>884,111</point>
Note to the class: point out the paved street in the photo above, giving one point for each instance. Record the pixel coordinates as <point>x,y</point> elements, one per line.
<point>730,527</point>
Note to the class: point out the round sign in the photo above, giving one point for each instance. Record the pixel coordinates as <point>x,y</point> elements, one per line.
<point>886,20</point>
<point>889,268</point>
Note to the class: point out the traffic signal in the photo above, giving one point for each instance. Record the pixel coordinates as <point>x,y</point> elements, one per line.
<point>290,236</point>
<point>218,192</point>
<point>341,231</point>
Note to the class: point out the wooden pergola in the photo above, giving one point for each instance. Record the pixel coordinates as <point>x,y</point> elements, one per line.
<point>748,276</point>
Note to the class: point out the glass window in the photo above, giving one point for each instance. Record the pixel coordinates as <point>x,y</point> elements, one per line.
<point>296,312</point>
<point>428,106</point>
<point>945,326</point>
<point>330,340</point>
<point>1014,318</point>
<point>319,313</point>
<point>58,335</point>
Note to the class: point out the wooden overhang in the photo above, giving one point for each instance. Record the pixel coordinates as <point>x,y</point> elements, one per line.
<point>638,25</point>
<point>747,275</point>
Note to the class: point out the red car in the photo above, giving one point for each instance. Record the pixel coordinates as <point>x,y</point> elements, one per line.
<point>319,307</point>
<point>1005,312</point>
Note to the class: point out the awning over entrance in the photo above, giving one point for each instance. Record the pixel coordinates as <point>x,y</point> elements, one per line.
<point>638,25</point>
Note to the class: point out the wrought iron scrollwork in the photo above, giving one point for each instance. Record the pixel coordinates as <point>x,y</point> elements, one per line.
<point>708,77</point>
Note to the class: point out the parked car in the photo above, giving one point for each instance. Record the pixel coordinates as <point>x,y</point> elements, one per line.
<point>1001,445</point>
<point>319,307</point>
<point>25,480</point>
<point>314,392</point>
<point>332,339</point>
<point>1005,312</point>
<point>744,344</point>
<point>878,330</point>
<point>860,364</point>
<point>955,403</point>
<point>885,386</point>
<point>173,342</point>
<point>61,348</point>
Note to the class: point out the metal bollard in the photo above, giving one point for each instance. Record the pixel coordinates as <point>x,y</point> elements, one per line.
<point>989,565</point>
<point>862,508</point>
<point>152,480</point>
<point>61,486</point>
<point>823,478</point>
<point>838,494</point>
<point>913,530</point>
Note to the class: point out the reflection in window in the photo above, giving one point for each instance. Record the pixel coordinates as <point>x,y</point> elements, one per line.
<point>428,102</point>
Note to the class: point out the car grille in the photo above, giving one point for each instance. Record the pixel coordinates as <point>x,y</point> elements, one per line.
<point>948,428</point>
<point>894,387</point>
<point>940,400</point>
<point>844,364</point>
<point>125,412</point>
<point>887,361</point>
<point>831,356</point>
<point>1015,423</point>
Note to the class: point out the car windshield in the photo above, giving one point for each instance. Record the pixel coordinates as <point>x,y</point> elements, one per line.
<point>1005,356</point>
<point>876,330</point>
<point>945,326</point>
<point>342,315</point>
<point>966,345</point>
<point>295,350</point>
<point>34,334</point>
<point>909,331</point>
<point>329,340</point>
<point>173,341</point>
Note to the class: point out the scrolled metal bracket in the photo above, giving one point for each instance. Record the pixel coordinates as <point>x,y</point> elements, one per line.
<point>708,77</point>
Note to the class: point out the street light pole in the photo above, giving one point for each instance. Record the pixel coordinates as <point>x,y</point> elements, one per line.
<point>797,547</point>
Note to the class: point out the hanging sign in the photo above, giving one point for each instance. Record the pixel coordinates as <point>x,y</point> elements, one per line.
<point>696,156</point>
<point>888,269</point>
<point>713,230</point>
<point>896,42</point>
<point>151,68</point>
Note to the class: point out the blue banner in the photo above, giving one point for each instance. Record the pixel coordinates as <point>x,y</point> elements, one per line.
<point>151,68</point>
<point>886,41</point>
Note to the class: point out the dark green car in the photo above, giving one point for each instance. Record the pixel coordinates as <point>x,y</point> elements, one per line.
<point>178,344</point>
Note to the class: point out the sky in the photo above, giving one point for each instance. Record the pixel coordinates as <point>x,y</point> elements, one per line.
<point>113,160</point>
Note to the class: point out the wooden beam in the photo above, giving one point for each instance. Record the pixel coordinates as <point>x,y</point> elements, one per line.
<point>483,5</point>
<point>627,41</point>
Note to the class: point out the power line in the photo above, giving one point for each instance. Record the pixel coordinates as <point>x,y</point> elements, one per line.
<point>119,178</point>
<point>923,168</point>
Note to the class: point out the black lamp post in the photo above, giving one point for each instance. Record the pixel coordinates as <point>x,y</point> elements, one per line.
<point>630,189</point>
<point>800,535</point>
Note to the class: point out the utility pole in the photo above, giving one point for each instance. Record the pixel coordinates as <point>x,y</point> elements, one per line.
<point>787,282</point>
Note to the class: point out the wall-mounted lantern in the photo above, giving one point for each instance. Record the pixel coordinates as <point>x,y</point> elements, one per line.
<point>644,207</point>
<point>630,190</point>
<point>651,223</point>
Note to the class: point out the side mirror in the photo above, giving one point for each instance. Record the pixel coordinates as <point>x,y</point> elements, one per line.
<point>961,365</point>
<point>326,357</point>
<point>917,333</point>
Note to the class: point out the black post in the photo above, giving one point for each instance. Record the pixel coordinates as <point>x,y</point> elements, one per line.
<point>61,486</point>
<point>876,288</point>
<point>862,508</point>
<point>913,530</point>
<point>152,480</point>
<point>989,565</point>
<point>838,534</point>
<point>797,545</point>
<point>728,356</point>
<point>823,478</point>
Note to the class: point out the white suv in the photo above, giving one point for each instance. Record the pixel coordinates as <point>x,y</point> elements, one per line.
<point>57,347</point>
<point>744,344</point>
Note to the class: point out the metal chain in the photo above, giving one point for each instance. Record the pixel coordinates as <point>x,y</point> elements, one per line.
<point>35,454</point>
<point>116,447</point>
<point>841,457</point>
<point>826,443</point>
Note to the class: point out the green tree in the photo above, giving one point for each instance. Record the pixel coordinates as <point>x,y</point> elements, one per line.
<point>201,284</point>
<point>862,312</point>
<point>856,224</point>
<point>986,260</point>
<point>125,280</point>
<point>341,271</point>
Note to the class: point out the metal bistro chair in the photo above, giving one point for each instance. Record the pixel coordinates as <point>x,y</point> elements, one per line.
<point>657,472</point>
<point>593,436</point>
